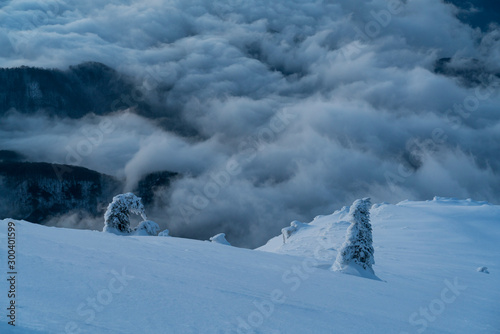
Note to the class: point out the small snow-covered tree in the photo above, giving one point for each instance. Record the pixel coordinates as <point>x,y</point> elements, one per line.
<point>358,246</point>
<point>116,218</point>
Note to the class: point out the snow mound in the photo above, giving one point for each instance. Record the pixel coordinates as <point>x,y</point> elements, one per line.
<point>355,269</point>
<point>164,233</point>
<point>449,201</point>
<point>147,227</point>
<point>288,231</point>
<point>220,239</point>
<point>483,270</point>
<point>319,239</point>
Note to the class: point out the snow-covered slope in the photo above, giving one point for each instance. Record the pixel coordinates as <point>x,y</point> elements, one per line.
<point>426,253</point>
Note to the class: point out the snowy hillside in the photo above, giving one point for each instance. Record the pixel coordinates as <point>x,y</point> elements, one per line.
<point>426,253</point>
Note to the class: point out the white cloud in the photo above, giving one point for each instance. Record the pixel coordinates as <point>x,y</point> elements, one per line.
<point>230,66</point>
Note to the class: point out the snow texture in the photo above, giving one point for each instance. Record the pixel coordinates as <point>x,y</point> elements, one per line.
<point>423,249</point>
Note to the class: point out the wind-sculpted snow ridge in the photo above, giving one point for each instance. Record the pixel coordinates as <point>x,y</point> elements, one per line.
<point>427,253</point>
<point>456,201</point>
<point>220,239</point>
<point>325,234</point>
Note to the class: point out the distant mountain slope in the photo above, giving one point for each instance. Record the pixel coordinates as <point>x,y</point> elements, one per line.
<point>40,191</point>
<point>88,87</point>
<point>37,191</point>
<point>478,13</point>
<point>469,72</point>
<point>6,155</point>
<point>427,254</point>
<point>147,186</point>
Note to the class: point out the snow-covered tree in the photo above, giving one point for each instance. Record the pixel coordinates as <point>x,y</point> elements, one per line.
<point>358,246</point>
<point>147,227</point>
<point>116,218</point>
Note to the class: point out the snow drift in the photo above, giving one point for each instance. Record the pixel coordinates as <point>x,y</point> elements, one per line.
<point>427,254</point>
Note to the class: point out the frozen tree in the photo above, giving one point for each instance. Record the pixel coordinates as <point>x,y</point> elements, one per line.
<point>147,227</point>
<point>116,218</point>
<point>358,246</point>
<point>220,239</point>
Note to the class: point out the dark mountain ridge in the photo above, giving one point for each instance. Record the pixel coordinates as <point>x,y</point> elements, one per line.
<point>37,191</point>
<point>86,88</point>
<point>82,89</point>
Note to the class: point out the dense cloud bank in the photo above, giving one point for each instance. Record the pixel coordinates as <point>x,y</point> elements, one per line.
<point>300,106</point>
